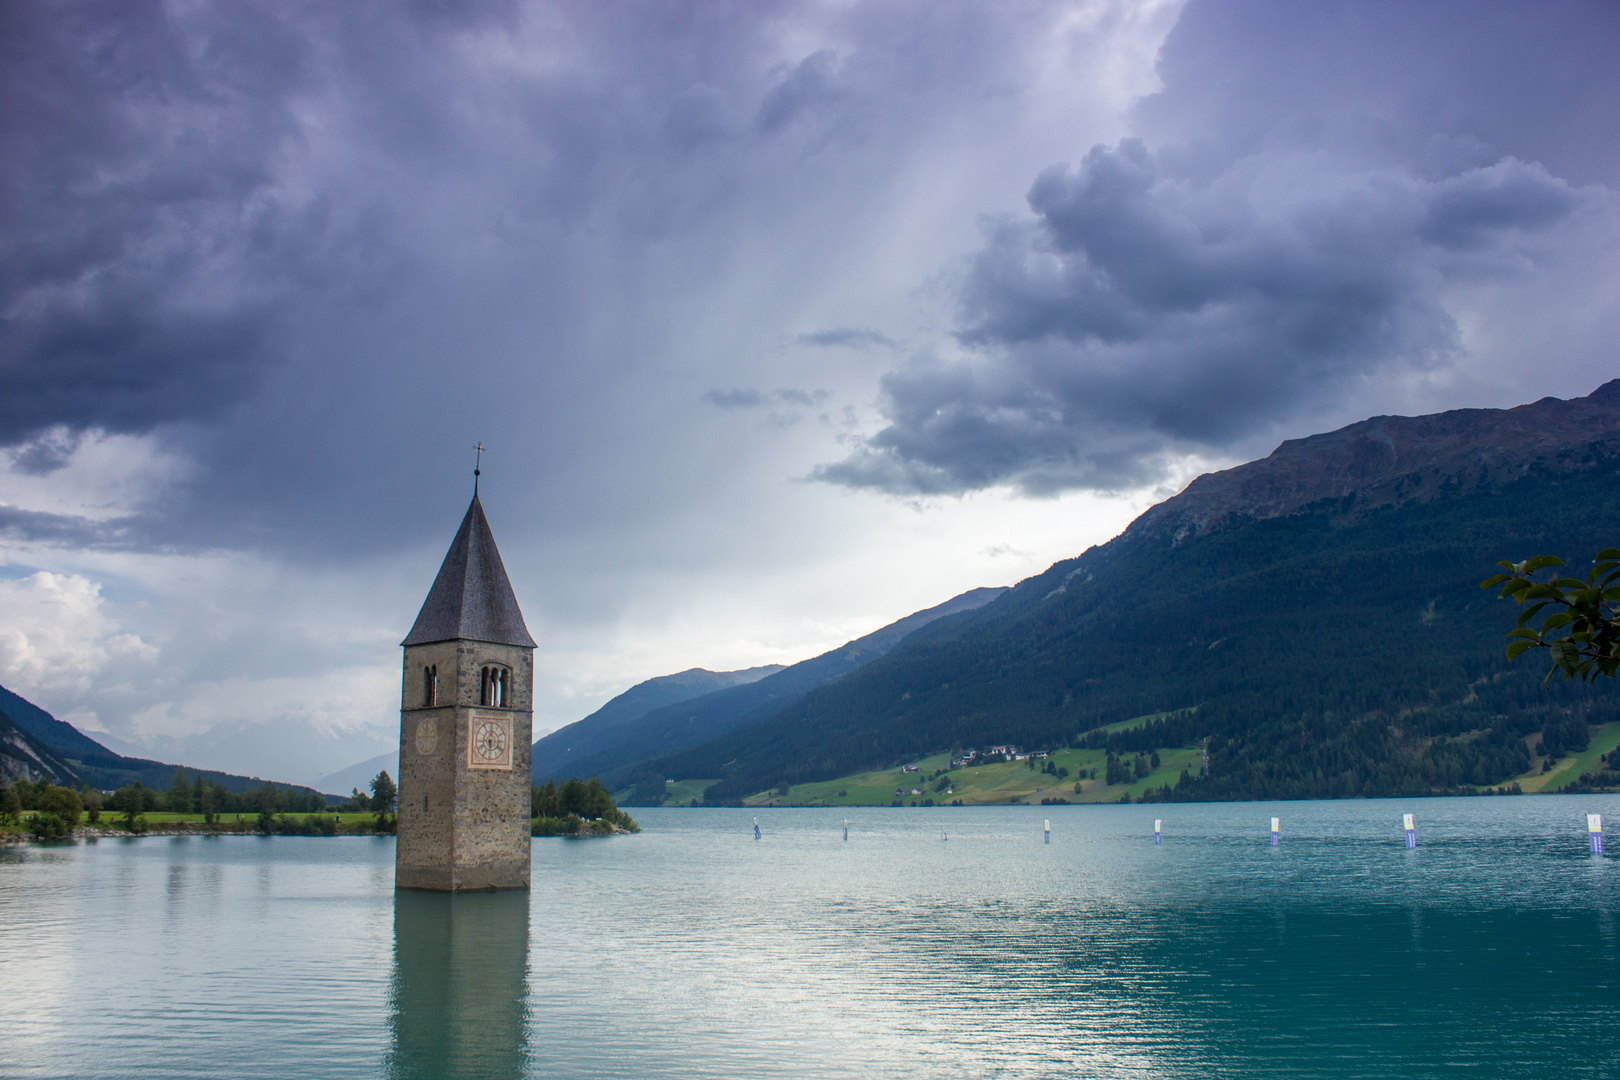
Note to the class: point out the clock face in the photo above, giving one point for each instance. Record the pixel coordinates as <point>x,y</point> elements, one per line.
<point>427,737</point>
<point>490,745</point>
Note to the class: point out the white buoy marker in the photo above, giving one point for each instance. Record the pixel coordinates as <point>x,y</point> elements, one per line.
<point>1594,829</point>
<point>1276,831</point>
<point>756,828</point>
<point>1048,830</point>
<point>1158,826</point>
<point>1411,830</point>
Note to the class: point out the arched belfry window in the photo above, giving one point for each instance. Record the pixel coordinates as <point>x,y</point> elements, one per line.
<point>495,687</point>
<point>430,686</point>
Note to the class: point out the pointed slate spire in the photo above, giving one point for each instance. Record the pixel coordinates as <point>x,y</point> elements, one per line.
<point>471,598</point>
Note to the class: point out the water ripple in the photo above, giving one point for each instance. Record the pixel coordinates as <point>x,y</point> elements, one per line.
<point>694,951</point>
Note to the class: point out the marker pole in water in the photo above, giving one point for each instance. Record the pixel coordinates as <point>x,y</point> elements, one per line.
<point>1276,831</point>
<point>1411,830</point>
<point>1158,824</point>
<point>1048,830</point>
<point>756,828</point>
<point>1594,829</point>
<point>846,829</point>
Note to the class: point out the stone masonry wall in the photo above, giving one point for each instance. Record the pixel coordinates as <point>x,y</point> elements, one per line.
<point>427,782</point>
<point>462,827</point>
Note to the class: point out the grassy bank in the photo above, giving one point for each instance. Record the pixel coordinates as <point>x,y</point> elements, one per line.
<point>350,823</point>
<point>1008,783</point>
<point>686,792</point>
<point>1001,783</point>
<point>1566,770</point>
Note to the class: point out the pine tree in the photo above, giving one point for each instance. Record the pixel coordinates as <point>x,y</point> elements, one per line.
<point>180,793</point>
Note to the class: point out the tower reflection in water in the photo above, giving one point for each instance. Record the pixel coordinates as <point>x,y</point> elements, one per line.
<point>459,997</point>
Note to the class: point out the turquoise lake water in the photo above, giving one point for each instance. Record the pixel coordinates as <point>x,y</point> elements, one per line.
<point>944,942</point>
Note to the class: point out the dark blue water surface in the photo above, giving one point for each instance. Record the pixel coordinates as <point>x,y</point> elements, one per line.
<point>934,943</point>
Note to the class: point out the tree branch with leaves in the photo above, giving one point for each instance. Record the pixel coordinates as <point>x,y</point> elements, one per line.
<point>1582,631</point>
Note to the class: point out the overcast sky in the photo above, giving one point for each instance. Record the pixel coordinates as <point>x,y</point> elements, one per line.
<point>779,320</point>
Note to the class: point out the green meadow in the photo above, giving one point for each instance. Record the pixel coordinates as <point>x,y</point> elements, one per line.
<point>348,822</point>
<point>1017,783</point>
<point>680,792</point>
<point>1567,770</point>
<point>1000,783</point>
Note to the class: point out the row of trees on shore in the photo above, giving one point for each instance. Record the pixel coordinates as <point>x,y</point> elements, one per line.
<point>56,810</point>
<point>576,807</point>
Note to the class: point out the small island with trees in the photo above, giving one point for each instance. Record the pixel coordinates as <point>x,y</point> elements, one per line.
<point>577,808</point>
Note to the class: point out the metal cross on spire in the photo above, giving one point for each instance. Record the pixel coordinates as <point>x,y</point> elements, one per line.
<point>477,467</point>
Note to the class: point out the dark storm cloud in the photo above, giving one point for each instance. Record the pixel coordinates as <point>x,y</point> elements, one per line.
<point>1185,298</point>
<point>125,304</point>
<point>49,452</point>
<point>735,399</point>
<point>1440,85</point>
<point>285,235</point>
<point>754,399</point>
<point>81,533</point>
<point>319,249</point>
<point>809,86</point>
<point>846,337</point>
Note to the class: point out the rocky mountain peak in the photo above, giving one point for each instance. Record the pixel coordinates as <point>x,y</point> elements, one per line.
<point>1389,459</point>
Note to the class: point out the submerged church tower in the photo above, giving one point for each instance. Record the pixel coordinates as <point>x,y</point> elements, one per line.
<point>466,725</point>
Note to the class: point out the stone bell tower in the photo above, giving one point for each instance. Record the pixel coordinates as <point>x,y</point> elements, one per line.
<point>466,725</point>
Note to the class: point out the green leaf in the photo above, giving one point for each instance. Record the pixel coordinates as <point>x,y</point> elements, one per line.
<point>1527,635</point>
<point>1567,583</point>
<point>1493,582</point>
<point>1566,653</point>
<point>1609,553</point>
<point>1563,618</point>
<point>1518,648</point>
<point>1541,562</point>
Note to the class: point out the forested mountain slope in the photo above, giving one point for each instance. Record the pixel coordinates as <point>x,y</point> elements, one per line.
<point>88,762</point>
<point>24,757</point>
<point>699,720</point>
<point>1327,634</point>
<point>604,728</point>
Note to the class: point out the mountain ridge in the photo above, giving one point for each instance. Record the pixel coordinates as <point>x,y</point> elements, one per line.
<point>688,723</point>
<point>89,762</point>
<point>1384,459</point>
<point>554,751</point>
